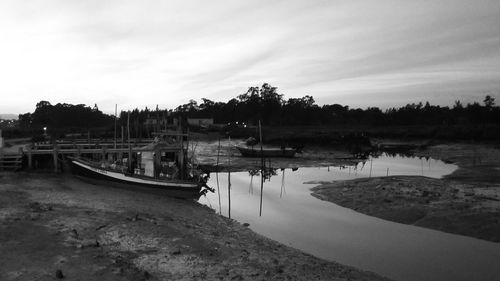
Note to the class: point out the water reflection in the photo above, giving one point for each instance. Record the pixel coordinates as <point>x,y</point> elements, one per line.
<point>293,217</point>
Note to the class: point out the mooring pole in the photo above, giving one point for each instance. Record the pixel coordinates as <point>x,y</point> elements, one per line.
<point>229,178</point>
<point>282,182</point>
<point>261,169</point>
<point>217,177</point>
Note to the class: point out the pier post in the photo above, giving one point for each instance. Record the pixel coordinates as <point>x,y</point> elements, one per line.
<point>30,157</point>
<point>54,155</point>
<point>103,153</point>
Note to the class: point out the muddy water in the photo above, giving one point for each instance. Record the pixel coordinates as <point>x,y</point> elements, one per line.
<point>292,216</point>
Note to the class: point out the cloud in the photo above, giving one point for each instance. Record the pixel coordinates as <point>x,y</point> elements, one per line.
<point>360,53</point>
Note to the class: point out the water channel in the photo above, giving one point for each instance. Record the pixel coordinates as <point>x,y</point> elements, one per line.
<point>293,217</point>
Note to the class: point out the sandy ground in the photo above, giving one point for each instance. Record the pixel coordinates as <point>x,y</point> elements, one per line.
<point>56,227</point>
<point>466,202</point>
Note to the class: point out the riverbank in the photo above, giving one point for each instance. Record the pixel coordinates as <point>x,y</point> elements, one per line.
<point>56,226</point>
<point>466,202</point>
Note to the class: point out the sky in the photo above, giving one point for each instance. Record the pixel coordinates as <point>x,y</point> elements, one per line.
<point>135,54</point>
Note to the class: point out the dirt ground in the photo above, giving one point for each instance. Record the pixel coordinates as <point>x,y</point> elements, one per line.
<point>206,152</point>
<point>466,202</point>
<point>55,227</point>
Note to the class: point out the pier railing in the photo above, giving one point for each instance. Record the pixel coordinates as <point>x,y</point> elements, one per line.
<point>59,149</point>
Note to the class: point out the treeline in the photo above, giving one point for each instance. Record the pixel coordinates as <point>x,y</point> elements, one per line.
<point>266,104</point>
<point>473,120</point>
<point>63,118</point>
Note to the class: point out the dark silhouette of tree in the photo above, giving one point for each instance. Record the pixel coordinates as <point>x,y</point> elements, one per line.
<point>471,121</point>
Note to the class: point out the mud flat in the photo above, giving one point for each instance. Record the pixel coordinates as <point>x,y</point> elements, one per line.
<point>466,202</point>
<point>58,227</point>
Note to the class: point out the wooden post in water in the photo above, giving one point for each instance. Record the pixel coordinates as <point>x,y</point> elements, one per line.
<point>282,182</point>
<point>371,163</point>
<point>261,169</point>
<point>217,177</point>
<point>250,186</point>
<point>229,178</point>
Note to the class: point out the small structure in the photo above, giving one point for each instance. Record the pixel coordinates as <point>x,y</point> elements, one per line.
<point>200,122</point>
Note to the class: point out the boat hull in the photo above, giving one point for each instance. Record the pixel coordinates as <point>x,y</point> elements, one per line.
<point>267,152</point>
<point>178,189</point>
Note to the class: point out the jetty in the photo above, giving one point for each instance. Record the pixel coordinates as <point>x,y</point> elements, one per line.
<point>52,154</point>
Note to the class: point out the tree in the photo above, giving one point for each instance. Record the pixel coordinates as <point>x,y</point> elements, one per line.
<point>489,102</point>
<point>42,104</point>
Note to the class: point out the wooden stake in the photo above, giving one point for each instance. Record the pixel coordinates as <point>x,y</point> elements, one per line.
<point>282,183</point>
<point>371,163</point>
<point>229,179</point>
<point>261,169</point>
<point>217,177</point>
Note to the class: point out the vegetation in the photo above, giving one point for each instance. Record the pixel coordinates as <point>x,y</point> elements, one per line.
<point>470,121</point>
<point>63,118</point>
<point>266,104</point>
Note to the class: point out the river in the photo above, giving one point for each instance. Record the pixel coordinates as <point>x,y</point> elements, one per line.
<point>293,217</point>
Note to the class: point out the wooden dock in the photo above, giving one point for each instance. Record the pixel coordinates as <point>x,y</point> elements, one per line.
<point>11,161</point>
<point>53,154</point>
<point>100,149</point>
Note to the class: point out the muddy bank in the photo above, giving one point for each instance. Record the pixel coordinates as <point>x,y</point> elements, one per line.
<point>466,202</point>
<point>54,227</point>
<point>209,155</point>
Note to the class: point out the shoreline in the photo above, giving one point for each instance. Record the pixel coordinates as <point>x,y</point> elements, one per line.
<point>56,225</point>
<point>466,202</point>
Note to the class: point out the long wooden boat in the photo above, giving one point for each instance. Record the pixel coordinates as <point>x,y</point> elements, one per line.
<point>160,166</point>
<point>266,152</point>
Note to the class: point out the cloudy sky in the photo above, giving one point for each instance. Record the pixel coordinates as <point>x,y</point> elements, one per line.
<point>142,53</point>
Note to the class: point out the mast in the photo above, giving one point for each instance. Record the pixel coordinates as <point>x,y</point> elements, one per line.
<point>181,153</point>
<point>116,108</point>
<point>129,147</point>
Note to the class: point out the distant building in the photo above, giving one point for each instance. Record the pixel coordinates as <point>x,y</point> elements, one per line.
<point>200,122</point>
<point>162,121</point>
<point>8,123</point>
